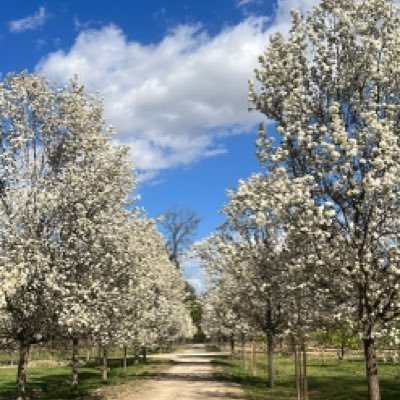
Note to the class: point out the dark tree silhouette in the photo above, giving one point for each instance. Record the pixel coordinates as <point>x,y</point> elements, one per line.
<point>178,226</point>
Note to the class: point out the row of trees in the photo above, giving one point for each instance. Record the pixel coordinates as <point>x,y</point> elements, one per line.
<point>77,261</point>
<point>314,240</point>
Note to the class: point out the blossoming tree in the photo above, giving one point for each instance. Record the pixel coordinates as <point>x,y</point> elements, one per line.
<point>332,87</point>
<point>68,267</point>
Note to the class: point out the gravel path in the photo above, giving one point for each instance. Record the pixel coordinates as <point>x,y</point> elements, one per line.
<point>191,378</point>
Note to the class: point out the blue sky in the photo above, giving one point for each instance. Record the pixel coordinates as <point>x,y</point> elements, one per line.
<point>174,79</point>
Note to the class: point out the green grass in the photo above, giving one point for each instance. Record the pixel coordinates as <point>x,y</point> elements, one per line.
<point>332,380</point>
<point>54,383</point>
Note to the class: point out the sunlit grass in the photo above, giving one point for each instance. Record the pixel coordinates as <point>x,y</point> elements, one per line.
<point>54,383</point>
<point>328,380</point>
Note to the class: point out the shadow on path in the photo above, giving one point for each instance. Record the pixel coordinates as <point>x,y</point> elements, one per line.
<point>191,377</point>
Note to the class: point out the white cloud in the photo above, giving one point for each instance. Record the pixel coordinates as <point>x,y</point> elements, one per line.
<point>241,3</point>
<point>172,100</point>
<point>80,25</point>
<point>250,7</point>
<point>31,22</point>
<point>145,176</point>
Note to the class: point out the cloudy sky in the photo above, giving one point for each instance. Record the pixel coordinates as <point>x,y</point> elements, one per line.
<point>174,79</point>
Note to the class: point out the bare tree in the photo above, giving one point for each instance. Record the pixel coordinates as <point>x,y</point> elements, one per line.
<point>178,226</point>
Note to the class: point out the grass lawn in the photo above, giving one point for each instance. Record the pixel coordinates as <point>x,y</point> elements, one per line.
<point>54,382</point>
<point>333,380</point>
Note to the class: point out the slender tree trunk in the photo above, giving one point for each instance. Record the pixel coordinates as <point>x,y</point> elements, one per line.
<point>281,344</point>
<point>371,368</point>
<point>144,354</point>
<point>22,370</point>
<point>253,358</point>
<point>125,358</point>
<point>136,358</point>
<point>88,354</point>
<point>243,351</point>
<point>297,370</point>
<point>305,379</point>
<point>74,361</point>
<point>52,350</point>
<point>104,375</point>
<point>270,353</point>
<point>300,368</point>
<point>232,342</point>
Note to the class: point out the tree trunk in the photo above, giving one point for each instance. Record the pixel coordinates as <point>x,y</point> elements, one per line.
<point>305,379</point>
<point>253,358</point>
<point>232,342</point>
<point>300,368</point>
<point>74,361</point>
<point>371,369</point>
<point>125,358</point>
<point>104,375</point>
<point>144,354</point>
<point>136,358</point>
<point>243,345</point>
<point>88,354</point>
<point>270,351</point>
<point>297,370</point>
<point>22,370</point>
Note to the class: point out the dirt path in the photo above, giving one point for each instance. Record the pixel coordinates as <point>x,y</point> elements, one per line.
<point>191,378</point>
